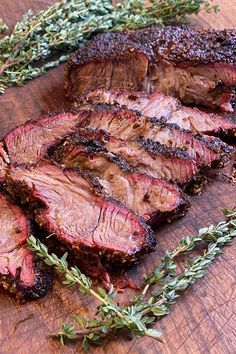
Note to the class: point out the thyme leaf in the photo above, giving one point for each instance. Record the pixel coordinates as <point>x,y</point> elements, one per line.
<point>142,312</point>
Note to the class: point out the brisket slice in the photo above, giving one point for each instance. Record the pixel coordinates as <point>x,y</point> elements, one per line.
<point>28,143</point>
<point>128,125</point>
<point>4,160</point>
<point>65,204</point>
<point>154,199</point>
<point>144,155</point>
<point>168,109</point>
<point>20,272</point>
<point>196,66</point>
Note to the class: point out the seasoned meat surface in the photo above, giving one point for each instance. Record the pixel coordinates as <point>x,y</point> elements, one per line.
<point>154,199</point>
<point>146,156</point>
<point>20,272</point>
<point>66,204</point>
<point>131,125</point>
<point>168,109</point>
<point>197,66</point>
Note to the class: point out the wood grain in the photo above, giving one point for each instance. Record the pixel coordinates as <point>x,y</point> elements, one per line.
<point>203,320</point>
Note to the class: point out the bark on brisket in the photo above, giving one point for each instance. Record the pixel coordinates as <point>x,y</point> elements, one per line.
<point>154,199</point>
<point>28,143</point>
<point>173,43</point>
<point>65,204</point>
<point>126,125</point>
<point>168,110</point>
<point>147,157</point>
<point>196,66</point>
<point>21,273</point>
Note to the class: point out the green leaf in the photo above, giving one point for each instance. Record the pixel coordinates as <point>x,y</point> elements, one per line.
<point>85,345</point>
<point>140,325</point>
<point>102,292</point>
<point>153,333</point>
<point>160,310</point>
<point>105,329</point>
<point>92,323</point>
<point>80,320</point>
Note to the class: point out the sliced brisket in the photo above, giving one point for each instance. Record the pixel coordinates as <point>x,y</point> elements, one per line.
<point>168,109</point>
<point>128,125</point>
<point>85,74</point>
<point>154,199</point>
<point>146,156</point>
<point>28,143</point>
<point>65,204</point>
<point>197,66</point>
<point>20,272</point>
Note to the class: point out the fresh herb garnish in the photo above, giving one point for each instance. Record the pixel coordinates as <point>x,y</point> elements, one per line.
<point>31,48</point>
<point>143,311</point>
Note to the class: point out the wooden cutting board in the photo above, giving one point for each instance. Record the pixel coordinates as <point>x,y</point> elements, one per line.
<point>202,321</point>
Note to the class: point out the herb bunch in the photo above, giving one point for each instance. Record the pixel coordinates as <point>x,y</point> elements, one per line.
<point>42,41</point>
<point>143,311</point>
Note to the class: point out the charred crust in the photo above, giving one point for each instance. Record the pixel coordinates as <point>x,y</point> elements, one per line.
<point>216,144</point>
<point>117,45</point>
<point>155,148</point>
<point>44,276</point>
<point>179,44</point>
<point>107,107</point>
<point>157,219</point>
<point>93,137</point>
<point>120,161</point>
<point>186,44</point>
<point>196,184</point>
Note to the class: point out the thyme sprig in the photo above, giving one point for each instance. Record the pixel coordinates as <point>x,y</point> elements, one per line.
<point>111,316</point>
<point>31,47</point>
<point>211,234</point>
<point>142,312</point>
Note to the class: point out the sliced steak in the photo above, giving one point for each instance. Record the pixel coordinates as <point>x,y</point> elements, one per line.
<point>154,199</point>
<point>28,143</point>
<point>20,272</point>
<point>4,160</point>
<point>147,157</point>
<point>196,66</point>
<point>168,109</point>
<point>65,204</point>
<point>130,125</point>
